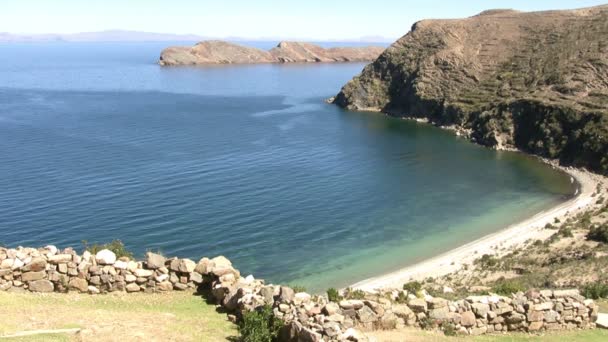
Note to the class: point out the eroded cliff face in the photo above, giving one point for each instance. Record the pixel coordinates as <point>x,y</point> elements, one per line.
<point>220,52</point>
<point>534,81</point>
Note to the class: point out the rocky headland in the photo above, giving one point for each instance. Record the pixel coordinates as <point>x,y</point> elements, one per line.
<point>536,82</point>
<point>221,52</point>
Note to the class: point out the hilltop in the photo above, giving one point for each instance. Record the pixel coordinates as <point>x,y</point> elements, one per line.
<point>534,81</point>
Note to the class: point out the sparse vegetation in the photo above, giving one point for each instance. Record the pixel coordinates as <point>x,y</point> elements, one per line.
<point>260,326</point>
<point>350,293</point>
<point>595,290</point>
<point>599,233</point>
<point>412,287</point>
<point>507,287</point>
<point>115,246</point>
<point>333,295</point>
<point>298,288</point>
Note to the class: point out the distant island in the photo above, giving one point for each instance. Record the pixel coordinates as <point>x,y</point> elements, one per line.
<point>100,36</point>
<point>535,81</point>
<point>221,52</point>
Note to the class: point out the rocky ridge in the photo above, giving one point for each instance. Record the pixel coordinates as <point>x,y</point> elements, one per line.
<point>221,52</point>
<point>306,317</point>
<point>535,81</point>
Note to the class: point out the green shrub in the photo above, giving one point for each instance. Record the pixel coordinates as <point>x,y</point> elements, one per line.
<point>333,295</point>
<point>115,246</point>
<point>595,290</point>
<point>354,294</point>
<point>298,288</point>
<point>507,287</point>
<point>487,260</point>
<point>260,326</point>
<point>412,287</point>
<point>599,233</point>
<point>401,298</point>
<point>449,329</point>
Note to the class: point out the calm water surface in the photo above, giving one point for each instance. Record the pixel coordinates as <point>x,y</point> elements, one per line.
<point>97,142</point>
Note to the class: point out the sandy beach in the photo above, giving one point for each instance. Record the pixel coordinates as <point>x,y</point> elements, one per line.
<point>498,243</point>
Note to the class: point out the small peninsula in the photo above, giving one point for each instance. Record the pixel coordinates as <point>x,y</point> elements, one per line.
<point>534,81</point>
<point>221,52</point>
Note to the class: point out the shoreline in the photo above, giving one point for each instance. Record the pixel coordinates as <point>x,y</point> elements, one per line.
<point>497,243</point>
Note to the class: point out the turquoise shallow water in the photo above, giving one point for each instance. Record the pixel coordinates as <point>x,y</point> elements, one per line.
<point>97,142</point>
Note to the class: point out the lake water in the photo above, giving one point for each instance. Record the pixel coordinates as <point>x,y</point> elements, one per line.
<point>97,142</point>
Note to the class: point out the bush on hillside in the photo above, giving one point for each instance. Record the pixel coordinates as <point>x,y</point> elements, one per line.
<point>260,326</point>
<point>115,246</point>
<point>506,287</point>
<point>333,295</point>
<point>599,233</point>
<point>595,290</point>
<point>412,287</point>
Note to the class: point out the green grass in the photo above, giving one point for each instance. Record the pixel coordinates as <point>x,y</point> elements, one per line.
<point>182,316</point>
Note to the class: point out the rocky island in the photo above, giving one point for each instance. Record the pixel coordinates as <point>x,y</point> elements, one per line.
<point>221,52</point>
<point>535,81</point>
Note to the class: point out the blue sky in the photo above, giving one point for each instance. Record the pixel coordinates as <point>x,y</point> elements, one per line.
<point>309,19</point>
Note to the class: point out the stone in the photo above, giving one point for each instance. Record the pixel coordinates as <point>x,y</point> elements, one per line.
<point>196,278</point>
<point>221,266</point>
<point>535,316</point>
<point>535,326</point>
<point>165,286</point>
<point>268,293</point>
<point>202,265</point>
<point>31,276</point>
<point>60,258</point>
<point>286,295</point>
<point>480,309</point>
<point>51,250</point>
<point>551,316</point>
<point>132,287</point>
<point>514,318</point>
<point>437,303</point>
<point>35,265</point>
<point>440,313</point>
<point>155,261</point>
<point>5,286</point>
<point>331,308</point>
<point>566,293</point>
<point>93,290</point>
<point>41,286</point>
<point>366,315</point>
<point>78,284</point>
<point>105,257</point>
<point>307,335</point>
<point>186,266</point>
<point>544,306</point>
<point>180,287</point>
<point>17,264</point>
<point>418,305</point>
<point>479,331</point>
<point>467,319</point>
<point>129,278</point>
<point>141,273</point>
<point>301,298</point>
<point>162,277</point>
<point>121,265</point>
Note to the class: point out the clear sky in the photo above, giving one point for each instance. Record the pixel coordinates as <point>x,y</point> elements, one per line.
<point>308,19</point>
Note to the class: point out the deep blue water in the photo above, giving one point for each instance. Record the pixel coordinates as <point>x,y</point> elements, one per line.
<point>97,142</point>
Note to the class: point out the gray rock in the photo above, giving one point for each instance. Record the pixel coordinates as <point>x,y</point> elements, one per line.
<point>196,278</point>
<point>36,265</point>
<point>418,305</point>
<point>480,309</point>
<point>287,294</point>
<point>366,315</point>
<point>78,284</point>
<point>105,257</point>
<point>467,319</point>
<point>41,286</point>
<point>154,261</point>
<point>132,287</point>
<point>31,276</point>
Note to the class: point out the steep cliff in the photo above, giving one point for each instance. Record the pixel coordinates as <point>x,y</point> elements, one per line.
<point>220,52</point>
<point>534,81</point>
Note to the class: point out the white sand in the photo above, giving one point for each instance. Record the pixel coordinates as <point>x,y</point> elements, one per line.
<point>495,244</point>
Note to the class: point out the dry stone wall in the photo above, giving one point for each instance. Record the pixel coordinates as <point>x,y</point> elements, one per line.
<point>306,317</point>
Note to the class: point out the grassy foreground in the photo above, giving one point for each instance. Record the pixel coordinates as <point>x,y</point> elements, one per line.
<point>176,316</point>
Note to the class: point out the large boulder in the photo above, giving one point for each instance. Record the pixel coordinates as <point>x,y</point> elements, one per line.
<point>78,284</point>
<point>186,266</point>
<point>36,265</point>
<point>154,261</point>
<point>41,286</point>
<point>105,257</point>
